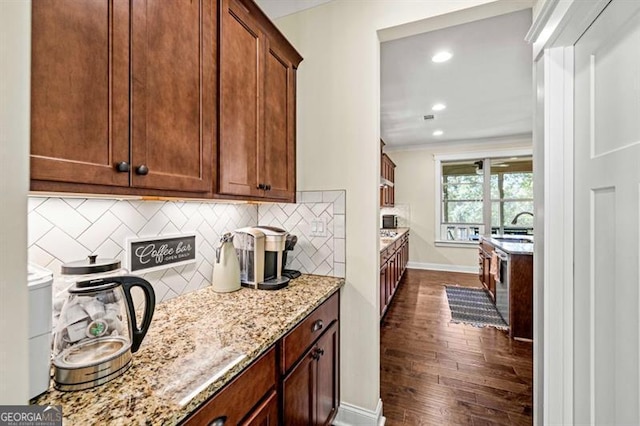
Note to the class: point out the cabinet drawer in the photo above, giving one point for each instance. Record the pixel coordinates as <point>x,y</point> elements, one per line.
<point>237,399</point>
<point>298,340</point>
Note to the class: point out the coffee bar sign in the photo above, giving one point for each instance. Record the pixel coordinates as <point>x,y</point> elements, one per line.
<point>153,254</point>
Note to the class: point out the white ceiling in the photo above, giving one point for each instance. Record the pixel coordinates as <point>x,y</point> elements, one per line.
<point>486,86</point>
<point>278,8</point>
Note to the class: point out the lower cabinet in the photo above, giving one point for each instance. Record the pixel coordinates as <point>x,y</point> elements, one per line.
<point>236,402</point>
<point>393,263</point>
<point>487,279</point>
<point>300,386</point>
<point>266,414</point>
<point>310,391</point>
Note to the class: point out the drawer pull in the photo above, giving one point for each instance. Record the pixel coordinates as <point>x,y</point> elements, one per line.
<point>219,421</point>
<point>317,325</point>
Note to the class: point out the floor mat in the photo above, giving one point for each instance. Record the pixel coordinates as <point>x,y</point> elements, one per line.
<point>473,306</point>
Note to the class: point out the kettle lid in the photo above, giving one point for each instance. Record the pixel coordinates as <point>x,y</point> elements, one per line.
<point>94,286</point>
<point>90,265</point>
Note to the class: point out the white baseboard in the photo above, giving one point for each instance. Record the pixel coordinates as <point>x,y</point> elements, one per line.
<point>351,415</point>
<point>443,267</point>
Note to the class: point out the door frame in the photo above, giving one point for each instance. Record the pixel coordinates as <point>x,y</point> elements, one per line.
<point>555,30</point>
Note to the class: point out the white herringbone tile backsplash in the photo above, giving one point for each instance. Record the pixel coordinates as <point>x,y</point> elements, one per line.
<point>62,230</point>
<point>312,255</point>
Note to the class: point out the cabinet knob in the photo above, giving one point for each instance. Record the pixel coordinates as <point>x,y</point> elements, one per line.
<point>267,187</point>
<point>142,170</point>
<point>320,352</point>
<point>218,421</point>
<point>122,167</point>
<point>317,325</point>
<point>261,186</point>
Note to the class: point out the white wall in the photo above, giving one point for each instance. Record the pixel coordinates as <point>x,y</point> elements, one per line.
<point>415,185</point>
<point>15,45</point>
<point>338,147</point>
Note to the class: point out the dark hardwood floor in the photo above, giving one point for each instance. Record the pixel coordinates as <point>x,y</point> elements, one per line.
<point>435,372</point>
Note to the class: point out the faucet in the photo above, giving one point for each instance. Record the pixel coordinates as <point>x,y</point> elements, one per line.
<point>515,219</point>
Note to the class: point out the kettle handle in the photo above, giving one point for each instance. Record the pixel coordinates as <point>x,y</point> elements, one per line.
<point>128,282</point>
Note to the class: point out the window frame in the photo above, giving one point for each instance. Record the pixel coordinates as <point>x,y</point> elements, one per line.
<point>486,196</point>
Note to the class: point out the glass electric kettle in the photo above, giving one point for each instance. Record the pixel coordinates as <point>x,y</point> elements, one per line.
<point>97,331</point>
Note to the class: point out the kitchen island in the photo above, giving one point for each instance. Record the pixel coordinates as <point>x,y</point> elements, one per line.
<point>510,283</point>
<point>197,344</point>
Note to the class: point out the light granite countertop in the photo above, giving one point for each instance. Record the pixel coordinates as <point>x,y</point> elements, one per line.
<point>512,247</point>
<point>387,241</point>
<point>196,344</point>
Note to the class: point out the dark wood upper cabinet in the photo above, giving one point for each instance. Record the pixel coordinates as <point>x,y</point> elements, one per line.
<point>279,159</point>
<point>387,193</point>
<point>123,95</point>
<point>256,147</point>
<point>240,94</point>
<point>173,98</point>
<point>80,91</point>
<point>151,97</point>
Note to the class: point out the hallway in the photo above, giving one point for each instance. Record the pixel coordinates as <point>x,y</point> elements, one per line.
<point>435,372</point>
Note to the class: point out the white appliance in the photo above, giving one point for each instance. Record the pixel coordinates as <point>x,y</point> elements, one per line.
<point>39,283</point>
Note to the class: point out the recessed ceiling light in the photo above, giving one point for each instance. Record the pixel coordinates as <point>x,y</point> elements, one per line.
<point>443,56</point>
<point>438,107</point>
<point>438,133</point>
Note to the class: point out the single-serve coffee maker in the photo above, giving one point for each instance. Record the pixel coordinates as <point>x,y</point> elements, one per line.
<point>260,250</point>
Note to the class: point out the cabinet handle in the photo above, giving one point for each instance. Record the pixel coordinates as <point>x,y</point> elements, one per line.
<point>315,355</point>
<point>317,325</point>
<point>122,167</point>
<point>219,421</point>
<point>261,186</point>
<point>142,170</point>
<point>267,187</point>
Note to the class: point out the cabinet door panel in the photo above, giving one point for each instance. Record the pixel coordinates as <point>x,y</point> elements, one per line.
<point>383,287</point>
<point>327,379</point>
<point>278,153</point>
<point>266,414</point>
<point>298,390</point>
<point>173,102</point>
<point>79,91</point>
<point>240,111</point>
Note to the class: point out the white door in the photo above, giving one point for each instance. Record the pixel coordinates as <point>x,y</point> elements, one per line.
<point>606,214</point>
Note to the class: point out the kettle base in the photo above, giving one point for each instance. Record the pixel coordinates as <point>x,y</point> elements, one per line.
<point>72,378</point>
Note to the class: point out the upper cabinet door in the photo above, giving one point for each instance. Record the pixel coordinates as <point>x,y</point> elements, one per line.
<point>278,155</point>
<point>241,60</point>
<point>256,148</point>
<point>173,94</point>
<point>79,91</point>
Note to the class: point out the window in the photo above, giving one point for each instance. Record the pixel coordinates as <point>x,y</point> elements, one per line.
<point>511,196</point>
<point>486,192</point>
<point>462,200</point>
